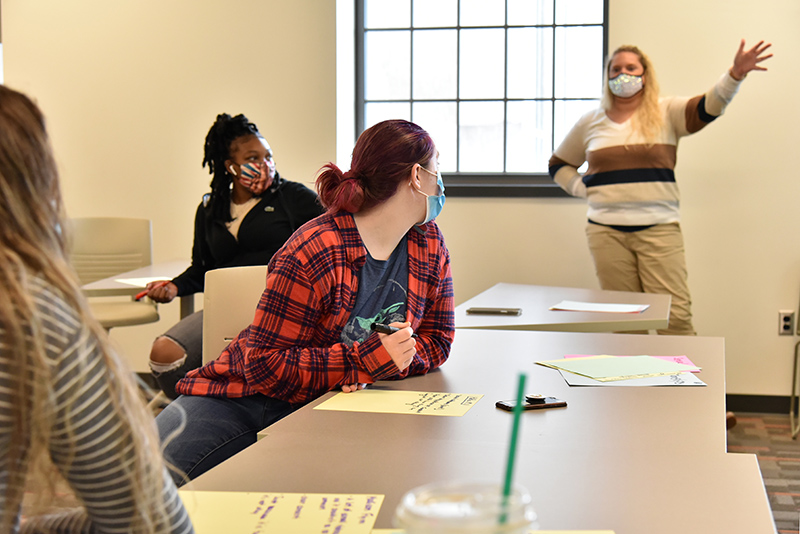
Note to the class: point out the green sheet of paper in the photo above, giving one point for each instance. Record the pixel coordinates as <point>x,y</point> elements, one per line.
<point>608,368</point>
<point>410,402</point>
<point>234,512</point>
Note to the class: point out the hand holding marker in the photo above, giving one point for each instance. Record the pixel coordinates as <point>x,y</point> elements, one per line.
<point>386,329</point>
<point>142,294</point>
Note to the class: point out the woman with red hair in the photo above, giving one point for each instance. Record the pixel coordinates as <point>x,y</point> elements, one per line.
<point>376,256</point>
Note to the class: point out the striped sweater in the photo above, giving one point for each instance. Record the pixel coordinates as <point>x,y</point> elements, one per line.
<point>94,457</point>
<point>629,183</point>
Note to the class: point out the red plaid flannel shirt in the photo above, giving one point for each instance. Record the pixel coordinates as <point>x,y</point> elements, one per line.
<point>292,350</point>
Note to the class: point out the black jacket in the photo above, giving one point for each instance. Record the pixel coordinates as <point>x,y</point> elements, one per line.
<point>283,208</point>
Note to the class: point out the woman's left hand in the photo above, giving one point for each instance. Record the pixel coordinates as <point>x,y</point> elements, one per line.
<point>353,387</point>
<point>748,60</point>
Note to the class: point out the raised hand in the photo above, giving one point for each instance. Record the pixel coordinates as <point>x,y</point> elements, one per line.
<point>748,60</point>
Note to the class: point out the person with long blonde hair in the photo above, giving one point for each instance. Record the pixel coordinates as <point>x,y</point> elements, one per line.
<point>630,143</point>
<point>66,399</point>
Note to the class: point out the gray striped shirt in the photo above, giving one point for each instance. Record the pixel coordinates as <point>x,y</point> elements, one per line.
<point>87,442</point>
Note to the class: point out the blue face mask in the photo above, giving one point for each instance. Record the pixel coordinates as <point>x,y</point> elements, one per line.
<point>435,202</point>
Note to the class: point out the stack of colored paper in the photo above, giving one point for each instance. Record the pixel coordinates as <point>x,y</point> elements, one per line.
<point>610,368</point>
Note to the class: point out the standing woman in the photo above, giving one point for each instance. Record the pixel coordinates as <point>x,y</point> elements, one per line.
<point>375,256</point>
<point>630,144</point>
<point>249,214</point>
<point>65,397</point>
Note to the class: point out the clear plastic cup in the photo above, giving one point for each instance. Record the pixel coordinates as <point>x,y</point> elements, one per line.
<point>465,508</point>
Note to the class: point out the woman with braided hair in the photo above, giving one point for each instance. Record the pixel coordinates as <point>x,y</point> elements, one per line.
<point>249,214</point>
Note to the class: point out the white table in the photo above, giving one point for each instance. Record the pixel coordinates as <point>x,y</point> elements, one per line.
<point>628,459</point>
<point>535,302</point>
<point>108,287</point>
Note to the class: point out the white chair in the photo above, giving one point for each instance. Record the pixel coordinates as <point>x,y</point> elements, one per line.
<point>230,299</point>
<point>102,247</point>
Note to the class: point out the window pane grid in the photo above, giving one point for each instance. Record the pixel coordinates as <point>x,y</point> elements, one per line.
<point>485,102</point>
<point>488,27</point>
<point>504,129</point>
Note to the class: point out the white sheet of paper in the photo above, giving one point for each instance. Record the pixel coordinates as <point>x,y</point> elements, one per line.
<point>681,379</point>
<point>139,282</point>
<point>572,305</point>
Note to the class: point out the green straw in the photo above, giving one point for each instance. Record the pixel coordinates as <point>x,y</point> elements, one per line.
<point>512,448</point>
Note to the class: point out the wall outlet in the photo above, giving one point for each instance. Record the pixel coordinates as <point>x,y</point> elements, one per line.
<point>786,322</point>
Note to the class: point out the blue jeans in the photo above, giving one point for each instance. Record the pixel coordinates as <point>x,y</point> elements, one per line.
<point>215,429</point>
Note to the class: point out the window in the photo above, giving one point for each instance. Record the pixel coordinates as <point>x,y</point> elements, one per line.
<point>497,83</point>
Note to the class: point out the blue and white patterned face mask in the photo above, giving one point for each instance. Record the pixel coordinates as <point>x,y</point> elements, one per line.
<point>625,85</point>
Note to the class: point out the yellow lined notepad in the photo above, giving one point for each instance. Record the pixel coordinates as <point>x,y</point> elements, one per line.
<point>234,512</point>
<point>405,402</point>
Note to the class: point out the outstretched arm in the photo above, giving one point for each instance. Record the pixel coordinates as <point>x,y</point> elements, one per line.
<point>748,60</point>
<point>692,115</point>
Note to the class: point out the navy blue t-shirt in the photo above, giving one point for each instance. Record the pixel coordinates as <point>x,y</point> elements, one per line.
<point>382,294</point>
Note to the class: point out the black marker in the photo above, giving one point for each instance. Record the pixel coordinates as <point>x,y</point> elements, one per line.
<point>385,329</point>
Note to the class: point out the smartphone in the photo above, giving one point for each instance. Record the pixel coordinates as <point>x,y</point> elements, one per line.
<point>549,402</point>
<point>494,311</point>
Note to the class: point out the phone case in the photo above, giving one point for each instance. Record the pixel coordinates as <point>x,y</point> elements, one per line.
<point>494,311</point>
<point>549,402</point>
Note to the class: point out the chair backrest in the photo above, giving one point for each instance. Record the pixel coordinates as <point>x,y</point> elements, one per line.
<point>102,247</point>
<point>230,299</point>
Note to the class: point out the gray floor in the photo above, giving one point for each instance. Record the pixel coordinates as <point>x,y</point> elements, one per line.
<point>768,436</point>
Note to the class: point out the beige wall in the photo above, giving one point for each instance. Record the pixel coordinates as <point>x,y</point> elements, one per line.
<point>130,87</point>
<point>738,179</point>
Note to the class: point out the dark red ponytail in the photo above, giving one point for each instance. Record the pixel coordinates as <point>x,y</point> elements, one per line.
<point>382,159</point>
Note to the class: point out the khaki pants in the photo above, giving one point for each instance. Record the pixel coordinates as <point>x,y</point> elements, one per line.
<point>648,261</point>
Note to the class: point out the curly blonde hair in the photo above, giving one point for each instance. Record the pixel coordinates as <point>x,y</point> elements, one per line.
<point>648,119</point>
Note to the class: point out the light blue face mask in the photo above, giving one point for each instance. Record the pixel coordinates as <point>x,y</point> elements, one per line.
<point>435,202</point>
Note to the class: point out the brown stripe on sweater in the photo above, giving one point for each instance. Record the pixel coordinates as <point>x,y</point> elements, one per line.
<point>693,121</point>
<point>554,160</point>
<point>626,157</point>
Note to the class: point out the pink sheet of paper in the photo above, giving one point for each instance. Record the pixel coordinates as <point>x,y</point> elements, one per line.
<point>677,359</point>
